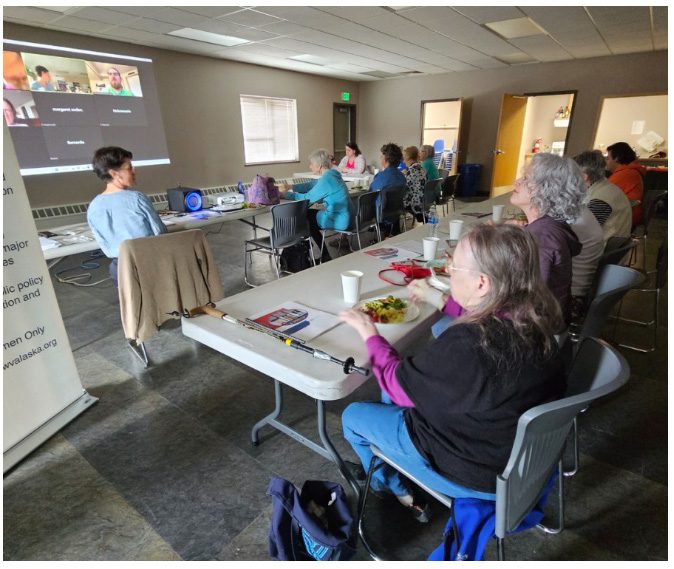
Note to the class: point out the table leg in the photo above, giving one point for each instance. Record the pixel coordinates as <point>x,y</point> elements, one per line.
<point>327,451</point>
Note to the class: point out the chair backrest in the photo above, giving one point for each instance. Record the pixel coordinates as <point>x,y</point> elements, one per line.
<point>290,223</point>
<point>615,250</point>
<point>366,210</point>
<point>542,431</point>
<point>444,172</point>
<point>661,266</point>
<point>431,192</point>
<point>650,203</point>
<point>613,284</point>
<point>392,201</point>
<point>448,188</point>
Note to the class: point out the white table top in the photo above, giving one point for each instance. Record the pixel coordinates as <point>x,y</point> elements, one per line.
<point>319,288</point>
<point>77,238</point>
<point>345,177</point>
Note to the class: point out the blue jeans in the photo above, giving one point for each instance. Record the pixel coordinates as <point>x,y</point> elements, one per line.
<point>383,424</point>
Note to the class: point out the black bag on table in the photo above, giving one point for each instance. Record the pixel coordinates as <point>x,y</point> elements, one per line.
<point>296,258</point>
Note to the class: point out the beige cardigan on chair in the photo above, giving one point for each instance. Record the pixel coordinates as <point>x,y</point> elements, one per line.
<point>163,274</point>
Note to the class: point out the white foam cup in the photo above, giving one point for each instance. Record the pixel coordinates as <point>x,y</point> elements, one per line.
<point>351,281</point>
<point>430,247</point>
<point>455,227</point>
<point>497,213</point>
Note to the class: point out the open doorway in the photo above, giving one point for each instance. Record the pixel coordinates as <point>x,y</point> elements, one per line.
<point>529,123</point>
<point>440,128</point>
<point>343,128</point>
<point>639,120</point>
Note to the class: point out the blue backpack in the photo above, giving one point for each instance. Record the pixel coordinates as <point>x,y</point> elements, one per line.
<point>314,524</point>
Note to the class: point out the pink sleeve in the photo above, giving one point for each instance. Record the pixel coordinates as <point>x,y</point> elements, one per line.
<point>385,360</point>
<point>452,308</point>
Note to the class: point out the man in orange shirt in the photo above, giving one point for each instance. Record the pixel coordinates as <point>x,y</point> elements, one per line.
<point>628,175</point>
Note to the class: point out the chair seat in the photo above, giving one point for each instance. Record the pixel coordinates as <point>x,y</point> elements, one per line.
<point>261,242</point>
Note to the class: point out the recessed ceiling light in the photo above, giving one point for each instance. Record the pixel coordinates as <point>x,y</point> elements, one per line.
<point>306,58</point>
<point>399,8</point>
<point>207,37</point>
<point>516,28</point>
<point>516,58</point>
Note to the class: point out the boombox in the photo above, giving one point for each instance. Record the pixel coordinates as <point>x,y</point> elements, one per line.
<point>184,199</point>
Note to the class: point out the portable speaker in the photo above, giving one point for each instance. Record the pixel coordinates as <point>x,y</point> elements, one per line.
<point>184,199</point>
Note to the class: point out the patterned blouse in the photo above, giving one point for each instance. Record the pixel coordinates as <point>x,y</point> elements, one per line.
<point>416,180</point>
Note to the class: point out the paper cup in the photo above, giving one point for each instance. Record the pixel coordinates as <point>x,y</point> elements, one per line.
<point>351,286</point>
<point>455,228</point>
<point>430,247</point>
<point>366,183</point>
<point>497,213</point>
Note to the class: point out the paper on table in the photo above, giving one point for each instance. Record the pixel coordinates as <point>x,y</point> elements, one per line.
<point>296,320</point>
<point>46,244</point>
<point>392,254</point>
<point>416,246</point>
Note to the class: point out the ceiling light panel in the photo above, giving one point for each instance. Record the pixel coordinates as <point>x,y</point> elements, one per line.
<point>207,37</point>
<point>517,28</point>
<point>308,58</point>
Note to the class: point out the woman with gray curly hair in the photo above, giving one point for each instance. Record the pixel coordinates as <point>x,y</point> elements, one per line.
<point>550,192</point>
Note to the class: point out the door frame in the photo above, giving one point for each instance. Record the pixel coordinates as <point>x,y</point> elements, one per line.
<point>352,123</point>
<point>422,109</point>
<point>573,92</point>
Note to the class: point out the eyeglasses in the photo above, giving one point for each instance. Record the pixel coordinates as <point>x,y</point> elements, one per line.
<point>451,268</point>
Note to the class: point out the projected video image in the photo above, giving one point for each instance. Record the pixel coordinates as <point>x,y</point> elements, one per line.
<point>18,109</point>
<point>109,79</point>
<point>79,100</point>
<point>13,71</point>
<point>58,74</point>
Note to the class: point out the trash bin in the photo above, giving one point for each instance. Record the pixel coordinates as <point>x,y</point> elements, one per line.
<point>469,179</point>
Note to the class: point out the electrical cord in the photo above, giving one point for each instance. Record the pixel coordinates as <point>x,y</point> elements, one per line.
<point>83,278</point>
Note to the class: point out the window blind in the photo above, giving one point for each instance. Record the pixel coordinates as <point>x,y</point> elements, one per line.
<point>269,129</point>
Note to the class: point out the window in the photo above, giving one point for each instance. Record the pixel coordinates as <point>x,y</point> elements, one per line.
<point>269,129</point>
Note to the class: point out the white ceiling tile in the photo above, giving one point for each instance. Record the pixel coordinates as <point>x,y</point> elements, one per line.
<point>210,11</point>
<point>134,10</point>
<point>356,14</point>
<point>542,48</point>
<point>154,26</point>
<point>571,27</point>
<point>28,14</point>
<point>79,24</point>
<point>485,14</point>
<point>251,18</point>
<point>351,67</point>
<point>129,34</point>
<point>186,45</point>
<point>177,17</point>
<point>459,28</point>
<point>105,16</point>
<point>266,49</point>
<point>283,28</point>
<point>227,28</point>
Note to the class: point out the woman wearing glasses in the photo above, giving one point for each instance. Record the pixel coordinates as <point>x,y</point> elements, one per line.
<point>449,412</point>
<point>119,212</point>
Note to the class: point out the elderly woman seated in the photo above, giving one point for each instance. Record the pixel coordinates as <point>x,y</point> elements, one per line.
<point>450,411</point>
<point>426,155</point>
<point>329,189</point>
<point>416,180</point>
<point>549,193</point>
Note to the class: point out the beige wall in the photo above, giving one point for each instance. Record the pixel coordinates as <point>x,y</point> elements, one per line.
<point>389,110</point>
<point>615,123</point>
<point>199,99</point>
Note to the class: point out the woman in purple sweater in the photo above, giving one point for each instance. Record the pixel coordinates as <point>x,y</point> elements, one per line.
<point>449,413</point>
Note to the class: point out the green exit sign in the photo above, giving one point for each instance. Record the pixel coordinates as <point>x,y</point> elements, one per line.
<point>346,96</point>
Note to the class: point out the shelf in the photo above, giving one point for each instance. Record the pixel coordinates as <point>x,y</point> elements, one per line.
<point>561,122</point>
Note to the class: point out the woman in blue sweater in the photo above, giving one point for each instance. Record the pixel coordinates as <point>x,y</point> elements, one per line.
<point>329,189</point>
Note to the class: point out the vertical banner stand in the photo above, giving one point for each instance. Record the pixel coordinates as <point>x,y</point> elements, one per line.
<point>42,391</point>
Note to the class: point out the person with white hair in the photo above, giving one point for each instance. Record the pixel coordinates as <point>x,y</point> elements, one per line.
<point>550,192</point>
<point>329,189</point>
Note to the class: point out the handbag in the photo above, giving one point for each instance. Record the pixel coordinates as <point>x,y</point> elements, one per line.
<point>405,272</point>
<point>312,524</point>
<point>263,191</point>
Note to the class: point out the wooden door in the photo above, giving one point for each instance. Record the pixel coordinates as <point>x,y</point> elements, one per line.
<point>508,142</point>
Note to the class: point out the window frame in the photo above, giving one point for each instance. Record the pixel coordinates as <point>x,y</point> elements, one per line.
<point>266,98</point>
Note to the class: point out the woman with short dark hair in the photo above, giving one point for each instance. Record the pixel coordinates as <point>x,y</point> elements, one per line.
<point>119,212</point>
<point>449,412</point>
<point>628,175</point>
<point>353,162</point>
